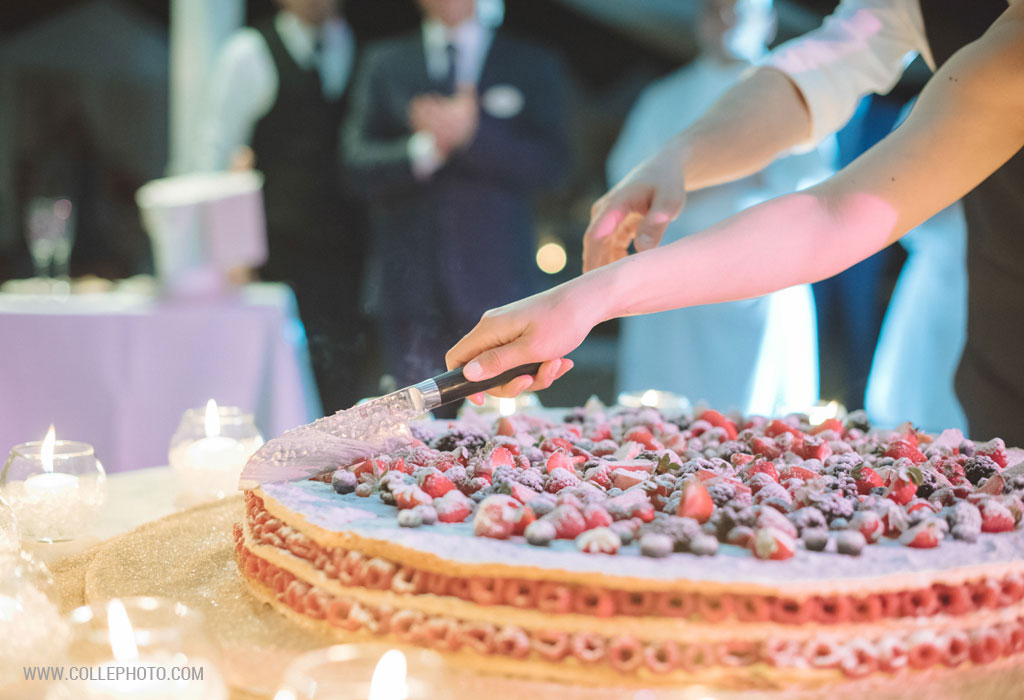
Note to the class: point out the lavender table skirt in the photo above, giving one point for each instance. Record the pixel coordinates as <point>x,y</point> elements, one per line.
<point>118,369</point>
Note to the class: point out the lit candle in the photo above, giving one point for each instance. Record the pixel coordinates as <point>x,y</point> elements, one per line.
<point>388,682</point>
<point>215,452</point>
<point>50,485</point>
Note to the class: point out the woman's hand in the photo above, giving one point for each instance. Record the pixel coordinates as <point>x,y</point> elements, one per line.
<point>544,328</point>
<point>639,207</point>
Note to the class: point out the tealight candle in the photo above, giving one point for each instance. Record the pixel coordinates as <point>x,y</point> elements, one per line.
<point>56,488</point>
<point>207,461</point>
<point>365,671</point>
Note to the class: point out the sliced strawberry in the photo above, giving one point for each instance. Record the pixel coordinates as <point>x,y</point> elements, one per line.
<point>994,449</point>
<point>814,448</point>
<point>833,424</point>
<point>921,504</point>
<point>644,437</point>
<point>867,479</point>
<point>777,427</point>
<point>762,466</point>
<point>869,524</point>
<point>993,485</point>
<point>553,444</point>
<point>599,475</point>
<point>996,517</point>
<point>501,457</point>
<point>624,478</point>
<point>765,448</point>
<point>740,459</point>
<point>436,485</point>
<point>902,491</point>
<point>560,460</point>
<point>902,448</point>
<point>922,536</point>
<point>453,507</point>
<point>496,517</point>
<point>719,421</point>
<point>521,492</point>
<point>797,473</point>
<point>769,543</point>
<point>409,496</point>
<point>696,502</point>
<point>568,522</point>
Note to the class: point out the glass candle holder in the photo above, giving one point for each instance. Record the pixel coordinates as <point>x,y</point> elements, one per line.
<point>209,449</point>
<point>10,533</point>
<point>32,630</point>
<point>55,496</point>
<point>135,648</point>
<point>371,671</point>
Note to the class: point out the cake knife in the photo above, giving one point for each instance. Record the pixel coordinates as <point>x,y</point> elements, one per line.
<point>376,426</point>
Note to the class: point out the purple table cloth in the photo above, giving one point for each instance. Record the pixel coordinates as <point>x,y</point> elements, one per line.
<point>118,369</point>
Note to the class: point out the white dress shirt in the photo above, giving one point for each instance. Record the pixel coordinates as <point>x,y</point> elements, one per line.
<point>244,84</point>
<point>472,41</point>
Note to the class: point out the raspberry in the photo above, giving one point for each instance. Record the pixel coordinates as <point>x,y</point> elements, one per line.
<point>560,479</point>
<point>980,468</point>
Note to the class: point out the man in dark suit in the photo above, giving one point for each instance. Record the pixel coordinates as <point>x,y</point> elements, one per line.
<point>452,129</point>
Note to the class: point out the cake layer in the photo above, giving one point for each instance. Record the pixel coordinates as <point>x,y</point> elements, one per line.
<point>367,525</point>
<point>555,647</point>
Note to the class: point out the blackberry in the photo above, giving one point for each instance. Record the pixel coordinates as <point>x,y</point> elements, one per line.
<point>929,482</point>
<point>815,539</point>
<point>1015,485</point>
<point>459,436</point>
<point>833,506</point>
<point>808,518</point>
<point>691,466</point>
<point>721,493</point>
<point>979,468</point>
<point>505,475</point>
<point>344,481</point>
<point>943,497</point>
<point>680,530</point>
<point>575,415</point>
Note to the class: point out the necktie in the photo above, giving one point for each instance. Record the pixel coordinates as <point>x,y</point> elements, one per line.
<point>449,83</point>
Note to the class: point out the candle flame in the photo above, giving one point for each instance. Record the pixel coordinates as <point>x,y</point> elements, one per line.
<point>122,636</point>
<point>388,682</point>
<point>46,451</point>
<point>819,414</point>
<point>212,419</point>
<point>506,407</point>
<point>649,398</point>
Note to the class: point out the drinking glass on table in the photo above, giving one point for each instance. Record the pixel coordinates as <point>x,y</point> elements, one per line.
<point>50,234</point>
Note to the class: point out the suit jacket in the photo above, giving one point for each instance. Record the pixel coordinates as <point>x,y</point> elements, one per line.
<point>463,239</point>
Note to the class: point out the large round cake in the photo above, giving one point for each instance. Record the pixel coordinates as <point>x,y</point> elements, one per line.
<point>621,546</point>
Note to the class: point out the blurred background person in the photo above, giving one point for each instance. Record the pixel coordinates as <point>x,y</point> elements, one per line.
<point>277,102</point>
<point>755,355</point>
<point>453,129</point>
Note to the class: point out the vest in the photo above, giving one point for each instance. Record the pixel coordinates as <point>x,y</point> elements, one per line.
<point>296,148</point>
<point>990,378</point>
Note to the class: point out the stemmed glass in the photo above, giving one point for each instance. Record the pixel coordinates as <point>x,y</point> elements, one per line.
<point>50,233</point>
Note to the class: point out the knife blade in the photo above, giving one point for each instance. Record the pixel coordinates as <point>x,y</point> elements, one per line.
<point>370,428</point>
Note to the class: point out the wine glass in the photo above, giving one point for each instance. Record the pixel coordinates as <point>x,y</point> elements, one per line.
<point>50,233</point>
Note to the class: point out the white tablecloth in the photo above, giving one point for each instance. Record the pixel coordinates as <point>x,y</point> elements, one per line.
<point>117,370</point>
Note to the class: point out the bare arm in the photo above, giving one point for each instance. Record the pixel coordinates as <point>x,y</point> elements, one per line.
<point>968,121</point>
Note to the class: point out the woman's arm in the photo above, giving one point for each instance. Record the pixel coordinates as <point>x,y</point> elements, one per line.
<point>968,121</point>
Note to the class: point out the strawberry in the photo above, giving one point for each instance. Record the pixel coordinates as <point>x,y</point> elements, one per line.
<point>833,424</point>
<point>868,523</point>
<point>644,437</point>
<point>501,457</point>
<point>996,517</point>
<point>453,507</point>
<point>553,444</point>
<point>762,466</point>
<point>521,492</point>
<point>599,475</point>
<point>921,503</point>
<point>526,516</point>
<point>496,517</point>
<point>765,448</point>
<point>867,479</point>
<point>797,473</point>
<point>769,543</point>
<point>777,427</point>
<point>568,522</point>
<point>903,449</point>
<point>596,516</point>
<point>506,427</point>
<point>624,478</point>
<point>814,448</point>
<point>696,502</point>
<point>993,485</point>
<point>560,460</point>
<point>599,433</point>
<point>719,421</point>
<point>995,449</point>
<point>922,536</point>
<point>435,485</point>
<point>561,478</point>
<point>903,482</point>
<point>740,459</point>
<point>409,496</point>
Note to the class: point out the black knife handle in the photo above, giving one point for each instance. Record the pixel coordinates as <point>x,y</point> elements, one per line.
<point>454,386</point>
